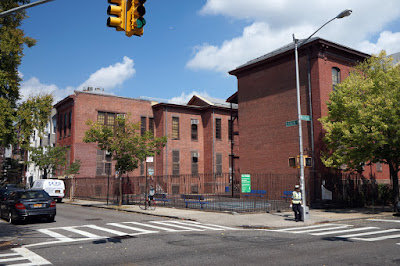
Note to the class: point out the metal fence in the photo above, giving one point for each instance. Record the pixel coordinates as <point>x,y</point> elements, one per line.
<point>218,192</point>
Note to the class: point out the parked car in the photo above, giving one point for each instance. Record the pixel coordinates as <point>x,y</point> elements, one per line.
<point>21,205</point>
<point>54,187</point>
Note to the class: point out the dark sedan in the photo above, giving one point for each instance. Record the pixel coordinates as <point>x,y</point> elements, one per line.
<point>21,205</point>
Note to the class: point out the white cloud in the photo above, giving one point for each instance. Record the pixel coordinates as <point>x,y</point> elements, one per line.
<point>108,78</point>
<point>184,98</point>
<point>112,76</point>
<point>273,22</point>
<point>388,41</point>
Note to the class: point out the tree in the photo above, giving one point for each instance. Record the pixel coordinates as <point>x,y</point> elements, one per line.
<point>127,146</point>
<point>32,114</point>
<point>363,118</point>
<point>49,158</point>
<point>12,43</point>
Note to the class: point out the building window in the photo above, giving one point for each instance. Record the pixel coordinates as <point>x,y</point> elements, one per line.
<point>103,163</point>
<point>335,77</point>
<point>108,119</point>
<point>60,123</point>
<point>230,129</point>
<point>194,123</point>
<point>142,125</point>
<point>218,164</point>
<point>142,166</point>
<point>175,127</point>
<point>151,125</point>
<point>175,163</point>
<point>69,122</point>
<point>65,124</point>
<point>379,167</point>
<point>195,163</point>
<point>218,128</point>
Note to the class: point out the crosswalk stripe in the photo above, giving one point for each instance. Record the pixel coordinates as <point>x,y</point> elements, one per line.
<point>34,258</point>
<point>197,225</point>
<point>302,227</point>
<point>376,238</point>
<point>131,228</point>
<point>344,231</point>
<point>370,233</point>
<point>153,226</point>
<point>81,232</point>
<point>8,255</point>
<point>168,223</point>
<point>56,235</point>
<point>115,232</point>
<point>212,225</point>
<point>383,220</point>
<point>12,259</point>
<point>320,229</point>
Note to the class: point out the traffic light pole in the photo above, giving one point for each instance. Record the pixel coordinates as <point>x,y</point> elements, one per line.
<point>5,13</point>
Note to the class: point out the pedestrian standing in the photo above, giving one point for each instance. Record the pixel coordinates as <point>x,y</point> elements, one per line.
<point>296,203</point>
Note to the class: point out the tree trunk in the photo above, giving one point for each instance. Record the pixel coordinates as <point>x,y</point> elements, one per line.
<point>394,169</point>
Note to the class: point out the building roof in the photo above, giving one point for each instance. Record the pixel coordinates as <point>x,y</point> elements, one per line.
<point>290,47</point>
<point>208,101</point>
<point>396,58</point>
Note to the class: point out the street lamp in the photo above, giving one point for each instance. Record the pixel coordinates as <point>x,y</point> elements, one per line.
<point>343,14</point>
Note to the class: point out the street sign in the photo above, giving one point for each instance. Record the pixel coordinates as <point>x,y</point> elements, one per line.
<point>246,183</point>
<point>149,159</point>
<point>305,117</point>
<point>292,123</point>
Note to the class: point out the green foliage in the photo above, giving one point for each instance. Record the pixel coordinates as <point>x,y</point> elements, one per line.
<point>127,146</point>
<point>49,158</point>
<point>363,116</point>
<point>12,43</point>
<point>73,168</point>
<point>7,132</point>
<point>33,114</point>
<point>362,124</point>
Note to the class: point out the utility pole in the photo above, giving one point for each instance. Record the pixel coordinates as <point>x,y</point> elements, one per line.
<point>5,13</point>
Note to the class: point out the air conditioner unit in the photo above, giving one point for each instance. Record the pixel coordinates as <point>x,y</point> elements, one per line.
<point>195,122</point>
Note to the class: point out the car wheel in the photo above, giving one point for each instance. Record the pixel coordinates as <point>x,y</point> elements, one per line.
<point>11,220</point>
<point>51,219</point>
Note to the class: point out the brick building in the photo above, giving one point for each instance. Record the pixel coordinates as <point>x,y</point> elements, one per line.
<point>198,133</point>
<point>267,99</point>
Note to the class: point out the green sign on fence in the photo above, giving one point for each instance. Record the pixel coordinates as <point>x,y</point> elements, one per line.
<point>246,183</point>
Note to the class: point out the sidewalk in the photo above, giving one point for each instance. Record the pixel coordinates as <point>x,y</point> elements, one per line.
<point>244,220</point>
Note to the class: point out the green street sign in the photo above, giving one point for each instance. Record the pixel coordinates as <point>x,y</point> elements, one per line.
<point>292,123</point>
<point>246,183</point>
<point>305,117</point>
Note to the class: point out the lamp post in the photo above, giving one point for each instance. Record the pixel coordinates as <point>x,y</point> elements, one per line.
<point>343,14</point>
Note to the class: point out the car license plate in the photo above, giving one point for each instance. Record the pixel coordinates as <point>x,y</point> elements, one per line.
<point>37,205</point>
<point>57,191</point>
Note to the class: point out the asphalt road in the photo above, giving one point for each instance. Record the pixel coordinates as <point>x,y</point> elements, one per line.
<point>91,236</point>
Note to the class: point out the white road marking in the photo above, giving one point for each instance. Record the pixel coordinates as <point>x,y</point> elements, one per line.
<point>23,255</point>
<point>370,233</point>
<point>383,220</point>
<point>344,231</point>
<point>320,229</point>
<point>376,238</point>
<point>56,235</point>
<point>146,225</point>
<point>302,227</point>
<point>170,223</point>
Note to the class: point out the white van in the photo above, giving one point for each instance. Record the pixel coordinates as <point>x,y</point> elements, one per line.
<point>54,187</point>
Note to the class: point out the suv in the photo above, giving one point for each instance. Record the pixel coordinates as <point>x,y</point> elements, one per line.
<point>20,205</point>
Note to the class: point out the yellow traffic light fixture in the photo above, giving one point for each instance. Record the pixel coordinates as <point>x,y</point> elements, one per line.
<point>135,20</point>
<point>118,11</point>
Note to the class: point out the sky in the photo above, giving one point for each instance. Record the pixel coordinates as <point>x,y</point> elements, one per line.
<point>188,46</point>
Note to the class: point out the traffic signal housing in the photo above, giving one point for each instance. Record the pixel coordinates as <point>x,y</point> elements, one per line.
<point>135,20</point>
<point>118,11</point>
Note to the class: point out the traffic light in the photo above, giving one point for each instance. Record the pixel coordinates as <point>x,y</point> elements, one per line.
<point>119,11</point>
<point>307,161</point>
<point>135,20</point>
<point>292,162</point>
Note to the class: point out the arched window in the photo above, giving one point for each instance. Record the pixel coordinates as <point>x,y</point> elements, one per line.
<point>335,76</point>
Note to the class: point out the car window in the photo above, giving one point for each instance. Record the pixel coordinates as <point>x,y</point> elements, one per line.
<point>32,195</point>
